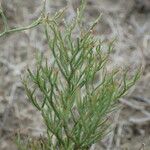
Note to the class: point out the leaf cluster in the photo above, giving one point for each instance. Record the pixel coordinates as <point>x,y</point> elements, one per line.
<point>74,108</point>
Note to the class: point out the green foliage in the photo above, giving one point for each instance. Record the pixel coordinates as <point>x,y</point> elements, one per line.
<point>27,143</point>
<point>74,108</point>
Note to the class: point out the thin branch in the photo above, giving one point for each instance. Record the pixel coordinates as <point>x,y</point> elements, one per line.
<point>34,24</point>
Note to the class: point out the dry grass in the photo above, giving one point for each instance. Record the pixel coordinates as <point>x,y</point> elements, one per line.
<point>132,30</point>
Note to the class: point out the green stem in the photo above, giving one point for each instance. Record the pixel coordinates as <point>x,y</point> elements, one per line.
<point>34,24</point>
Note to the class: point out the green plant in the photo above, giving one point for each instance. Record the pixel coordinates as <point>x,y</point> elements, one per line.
<point>74,108</point>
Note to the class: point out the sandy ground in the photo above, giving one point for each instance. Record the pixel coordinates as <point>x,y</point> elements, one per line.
<point>126,20</point>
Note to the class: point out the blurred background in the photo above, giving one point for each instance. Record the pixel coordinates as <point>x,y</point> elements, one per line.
<point>126,20</point>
